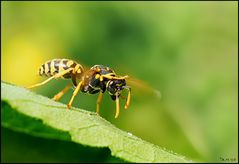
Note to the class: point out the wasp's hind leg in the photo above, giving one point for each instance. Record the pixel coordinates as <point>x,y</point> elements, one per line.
<point>62,92</point>
<point>42,83</point>
<point>58,75</point>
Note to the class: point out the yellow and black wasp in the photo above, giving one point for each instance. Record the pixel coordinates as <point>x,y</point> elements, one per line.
<point>97,79</point>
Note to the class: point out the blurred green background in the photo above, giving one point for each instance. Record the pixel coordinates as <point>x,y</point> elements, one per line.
<point>187,50</point>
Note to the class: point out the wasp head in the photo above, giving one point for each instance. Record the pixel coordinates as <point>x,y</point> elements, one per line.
<point>115,86</point>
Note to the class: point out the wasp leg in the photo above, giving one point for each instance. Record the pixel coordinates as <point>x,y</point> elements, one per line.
<point>112,77</point>
<point>99,100</point>
<point>58,75</point>
<point>62,92</point>
<point>117,106</point>
<point>74,94</point>
<point>128,98</point>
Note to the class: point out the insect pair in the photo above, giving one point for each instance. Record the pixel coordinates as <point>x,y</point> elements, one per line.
<point>97,79</point>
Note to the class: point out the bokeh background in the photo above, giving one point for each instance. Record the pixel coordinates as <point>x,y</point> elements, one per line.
<point>187,50</point>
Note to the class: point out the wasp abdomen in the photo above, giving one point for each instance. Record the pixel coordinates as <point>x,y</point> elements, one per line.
<point>52,67</point>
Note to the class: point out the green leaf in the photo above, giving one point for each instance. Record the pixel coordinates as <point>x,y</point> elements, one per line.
<point>28,112</point>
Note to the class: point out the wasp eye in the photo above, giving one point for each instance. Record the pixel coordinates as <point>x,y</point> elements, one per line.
<point>114,86</point>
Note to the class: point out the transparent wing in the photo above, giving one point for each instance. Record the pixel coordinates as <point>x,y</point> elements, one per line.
<point>142,86</point>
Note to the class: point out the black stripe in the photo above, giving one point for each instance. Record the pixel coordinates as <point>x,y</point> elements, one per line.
<point>65,64</point>
<point>49,67</point>
<point>56,65</point>
<point>43,68</point>
<point>64,61</point>
<point>73,65</point>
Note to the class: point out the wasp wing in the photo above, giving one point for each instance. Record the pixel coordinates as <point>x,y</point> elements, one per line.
<point>143,86</point>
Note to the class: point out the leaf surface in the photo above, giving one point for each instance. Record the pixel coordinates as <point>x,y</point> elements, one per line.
<point>34,114</point>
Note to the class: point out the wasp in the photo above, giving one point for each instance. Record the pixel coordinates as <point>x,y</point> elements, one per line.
<point>97,79</point>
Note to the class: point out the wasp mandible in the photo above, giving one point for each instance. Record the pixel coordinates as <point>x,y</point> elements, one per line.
<point>97,79</point>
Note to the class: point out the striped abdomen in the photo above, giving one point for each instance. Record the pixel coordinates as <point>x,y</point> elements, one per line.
<point>55,66</point>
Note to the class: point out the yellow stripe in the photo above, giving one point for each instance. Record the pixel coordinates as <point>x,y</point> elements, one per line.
<point>52,67</point>
<point>46,68</point>
<point>78,71</point>
<point>41,71</point>
<point>101,78</point>
<point>69,63</point>
<point>76,68</point>
<point>97,76</point>
<point>61,66</point>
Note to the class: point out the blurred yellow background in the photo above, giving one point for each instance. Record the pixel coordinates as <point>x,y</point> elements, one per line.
<point>187,50</point>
